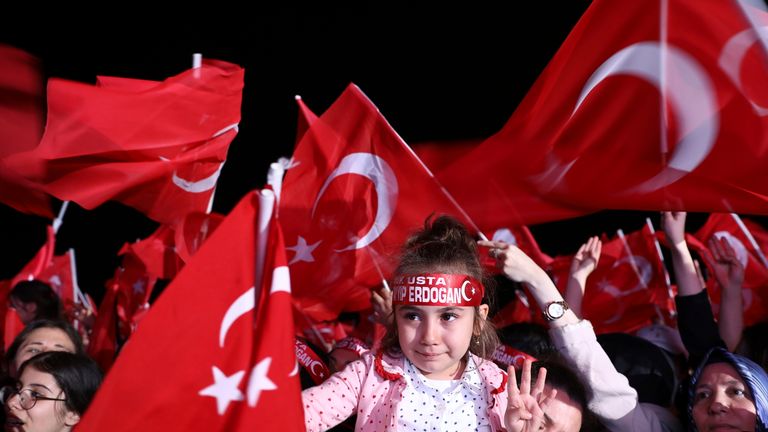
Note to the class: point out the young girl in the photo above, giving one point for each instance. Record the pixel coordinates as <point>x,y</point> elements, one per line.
<point>431,372</point>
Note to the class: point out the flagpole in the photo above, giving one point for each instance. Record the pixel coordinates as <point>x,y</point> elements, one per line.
<point>197,63</point>
<point>667,280</point>
<point>60,217</point>
<point>751,239</point>
<point>632,262</point>
<point>266,207</point>
<point>448,195</point>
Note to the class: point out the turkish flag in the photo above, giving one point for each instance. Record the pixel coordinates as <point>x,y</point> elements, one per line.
<point>305,119</point>
<point>134,287</point>
<point>622,119</point>
<point>191,231</point>
<point>352,197</point>
<point>755,286</point>
<point>157,253</point>
<point>521,237</point>
<point>628,290</point>
<point>103,341</point>
<point>156,146</point>
<point>21,126</point>
<point>217,339</point>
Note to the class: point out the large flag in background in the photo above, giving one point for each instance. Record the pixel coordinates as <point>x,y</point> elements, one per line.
<point>21,126</point>
<point>641,108</point>
<point>216,348</point>
<point>755,288</point>
<point>628,290</point>
<point>156,146</point>
<point>353,195</point>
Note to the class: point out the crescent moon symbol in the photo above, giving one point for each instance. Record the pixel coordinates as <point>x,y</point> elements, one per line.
<point>317,363</point>
<point>238,308</point>
<point>733,54</point>
<point>690,93</point>
<point>463,291</point>
<point>295,369</point>
<point>198,186</point>
<point>644,272</point>
<point>378,171</point>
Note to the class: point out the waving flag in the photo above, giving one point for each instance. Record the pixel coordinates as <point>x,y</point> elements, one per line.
<point>218,339</point>
<point>21,126</point>
<point>628,289</point>
<point>156,146</point>
<point>755,287</point>
<point>353,195</point>
<point>647,105</point>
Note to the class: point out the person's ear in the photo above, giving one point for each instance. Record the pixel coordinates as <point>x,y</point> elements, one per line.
<point>71,419</point>
<point>483,310</point>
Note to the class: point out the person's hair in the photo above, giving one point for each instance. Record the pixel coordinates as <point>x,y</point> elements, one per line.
<point>530,338</point>
<point>560,376</point>
<point>41,294</point>
<point>64,326</point>
<point>753,375</point>
<point>77,375</point>
<point>445,246</point>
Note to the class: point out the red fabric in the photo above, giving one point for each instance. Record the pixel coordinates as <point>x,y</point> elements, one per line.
<point>755,287</point>
<point>214,324</point>
<point>157,253</point>
<point>337,252</point>
<point>517,310</point>
<point>103,340</point>
<point>620,297</point>
<point>305,119</point>
<point>155,146</point>
<point>605,150</point>
<point>21,126</point>
<point>192,231</point>
<point>437,155</point>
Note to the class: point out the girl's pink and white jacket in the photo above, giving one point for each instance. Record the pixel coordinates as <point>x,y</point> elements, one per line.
<point>372,388</point>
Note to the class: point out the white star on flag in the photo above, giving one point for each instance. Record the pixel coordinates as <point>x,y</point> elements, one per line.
<point>224,389</point>
<point>259,381</point>
<point>303,251</point>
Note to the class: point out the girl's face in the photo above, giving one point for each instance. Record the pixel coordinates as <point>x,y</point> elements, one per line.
<point>722,401</point>
<point>436,338</point>
<point>41,340</point>
<point>45,415</point>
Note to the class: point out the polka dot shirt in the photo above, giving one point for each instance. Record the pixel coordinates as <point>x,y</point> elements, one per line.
<point>443,405</point>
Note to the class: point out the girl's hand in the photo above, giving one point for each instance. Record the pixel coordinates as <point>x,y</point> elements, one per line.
<point>524,413</point>
<point>513,262</point>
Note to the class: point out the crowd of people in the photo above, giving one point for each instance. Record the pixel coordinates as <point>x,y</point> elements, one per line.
<point>440,364</point>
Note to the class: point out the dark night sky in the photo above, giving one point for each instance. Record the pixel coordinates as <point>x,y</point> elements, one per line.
<point>435,75</point>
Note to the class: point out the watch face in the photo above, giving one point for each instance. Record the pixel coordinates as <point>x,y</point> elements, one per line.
<point>555,310</point>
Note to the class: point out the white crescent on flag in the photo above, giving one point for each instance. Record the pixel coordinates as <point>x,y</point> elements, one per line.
<point>690,93</point>
<point>384,180</point>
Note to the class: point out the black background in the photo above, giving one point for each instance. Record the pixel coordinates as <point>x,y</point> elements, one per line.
<point>439,74</point>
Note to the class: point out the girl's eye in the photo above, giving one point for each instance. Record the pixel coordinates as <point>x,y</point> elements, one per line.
<point>449,316</point>
<point>411,316</point>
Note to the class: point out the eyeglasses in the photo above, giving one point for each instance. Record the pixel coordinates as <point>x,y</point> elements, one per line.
<point>27,397</point>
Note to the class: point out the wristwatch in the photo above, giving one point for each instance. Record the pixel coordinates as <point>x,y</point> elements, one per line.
<point>554,310</point>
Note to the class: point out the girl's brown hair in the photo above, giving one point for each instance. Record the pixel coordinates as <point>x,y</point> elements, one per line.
<point>444,245</point>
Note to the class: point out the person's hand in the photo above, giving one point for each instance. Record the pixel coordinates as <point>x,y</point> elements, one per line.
<point>585,260</point>
<point>382,306</point>
<point>728,269</point>
<point>513,262</point>
<point>673,224</point>
<point>524,413</point>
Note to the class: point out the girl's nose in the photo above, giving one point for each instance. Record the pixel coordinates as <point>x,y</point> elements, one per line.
<point>429,333</point>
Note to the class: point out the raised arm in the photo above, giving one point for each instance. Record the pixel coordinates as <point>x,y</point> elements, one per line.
<point>673,224</point>
<point>583,264</point>
<point>730,275</point>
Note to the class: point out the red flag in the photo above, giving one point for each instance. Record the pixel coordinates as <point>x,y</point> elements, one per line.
<point>192,231</point>
<point>155,146</point>
<point>103,343</point>
<point>628,289</point>
<point>623,119</point>
<point>353,195</point>
<point>217,339</point>
<point>438,155</point>
<point>755,286</point>
<point>521,237</point>
<point>305,120</point>
<point>157,253</point>
<point>21,126</point>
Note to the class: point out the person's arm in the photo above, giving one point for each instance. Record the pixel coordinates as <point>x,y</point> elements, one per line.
<point>583,264</point>
<point>695,321</point>
<point>730,275</point>
<point>614,401</point>
<point>330,403</point>
<point>688,283</point>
